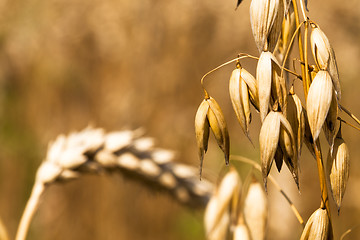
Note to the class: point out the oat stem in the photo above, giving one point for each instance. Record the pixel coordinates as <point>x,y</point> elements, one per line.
<point>342,120</point>
<point>348,231</point>
<point>350,114</point>
<point>324,192</point>
<point>301,51</point>
<point>272,179</point>
<point>29,211</point>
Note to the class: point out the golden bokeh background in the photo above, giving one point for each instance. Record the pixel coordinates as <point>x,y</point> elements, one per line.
<point>125,64</point>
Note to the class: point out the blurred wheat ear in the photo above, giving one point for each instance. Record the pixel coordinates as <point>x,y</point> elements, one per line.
<point>92,151</point>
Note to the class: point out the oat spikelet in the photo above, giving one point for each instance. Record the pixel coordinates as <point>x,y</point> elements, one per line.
<point>266,17</point>
<point>318,102</point>
<point>209,115</point>
<point>338,169</point>
<point>324,56</point>
<point>255,211</point>
<point>317,227</point>
<point>219,205</point>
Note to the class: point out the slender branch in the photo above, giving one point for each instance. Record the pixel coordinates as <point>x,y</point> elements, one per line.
<point>350,114</point>
<point>301,51</point>
<point>272,179</point>
<point>342,120</point>
<point>241,56</point>
<point>30,209</point>
<point>348,231</point>
<point>288,49</point>
<point>321,171</point>
<point>303,9</point>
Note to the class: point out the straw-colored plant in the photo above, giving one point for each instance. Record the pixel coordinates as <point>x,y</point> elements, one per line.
<point>287,120</point>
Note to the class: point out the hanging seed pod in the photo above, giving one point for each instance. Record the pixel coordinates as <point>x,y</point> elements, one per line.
<point>216,226</point>
<point>202,130</point>
<point>255,211</point>
<point>338,165</point>
<point>241,232</point>
<point>287,30</point>
<point>251,83</point>
<point>239,95</point>
<point>331,125</point>
<point>269,139</point>
<point>289,148</point>
<point>317,227</point>
<point>318,102</point>
<point>268,78</point>
<point>216,121</point>
<point>324,56</point>
<point>220,203</point>
<point>266,17</point>
<point>296,118</point>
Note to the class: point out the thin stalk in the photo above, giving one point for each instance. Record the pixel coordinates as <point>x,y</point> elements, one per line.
<point>306,60</point>
<point>342,120</point>
<point>301,50</point>
<point>258,167</point>
<point>30,209</point>
<point>350,114</point>
<point>321,171</point>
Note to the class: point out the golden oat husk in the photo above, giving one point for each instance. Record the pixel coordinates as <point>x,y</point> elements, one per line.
<point>239,95</point>
<point>202,130</point>
<point>216,226</point>
<point>308,139</point>
<point>256,210</point>
<point>296,118</point>
<point>331,125</point>
<point>266,17</point>
<point>241,232</point>
<point>251,83</point>
<point>317,227</point>
<point>279,86</point>
<point>220,203</point>
<point>287,31</point>
<point>269,139</point>
<point>289,147</point>
<point>324,56</point>
<point>219,127</point>
<point>268,78</point>
<point>318,102</point>
<point>338,165</point>
<point>245,100</point>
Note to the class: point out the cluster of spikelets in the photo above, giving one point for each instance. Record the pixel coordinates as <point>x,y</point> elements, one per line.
<point>243,210</point>
<point>93,151</point>
<point>287,123</point>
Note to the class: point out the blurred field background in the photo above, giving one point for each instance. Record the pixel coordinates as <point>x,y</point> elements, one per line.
<point>124,64</point>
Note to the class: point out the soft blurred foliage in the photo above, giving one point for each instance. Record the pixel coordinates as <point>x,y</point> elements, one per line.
<point>120,64</point>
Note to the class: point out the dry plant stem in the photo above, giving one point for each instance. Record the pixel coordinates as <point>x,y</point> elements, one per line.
<point>307,77</point>
<point>270,177</point>
<point>350,114</point>
<point>303,9</point>
<point>30,209</point>
<point>301,50</point>
<point>347,232</point>
<point>288,52</point>
<point>342,120</point>
<point>3,233</point>
<point>321,171</point>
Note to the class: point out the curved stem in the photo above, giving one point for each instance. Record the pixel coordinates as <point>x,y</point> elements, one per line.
<point>258,167</point>
<point>241,56</point>
<point>348,231</point>
<point>30,209</point>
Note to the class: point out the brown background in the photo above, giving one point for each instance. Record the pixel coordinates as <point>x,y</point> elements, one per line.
<point>128,64</point>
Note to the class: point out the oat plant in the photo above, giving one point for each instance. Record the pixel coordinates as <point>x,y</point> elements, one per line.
<point>289,117</point>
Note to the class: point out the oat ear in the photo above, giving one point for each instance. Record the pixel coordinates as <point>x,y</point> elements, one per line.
<point>219,127</point>
<point>264,79</point>
<point>269,139</point>
<point>317,227</point>
<point>202,130</point>
<point>338,165</point>
<point>318,102</point>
